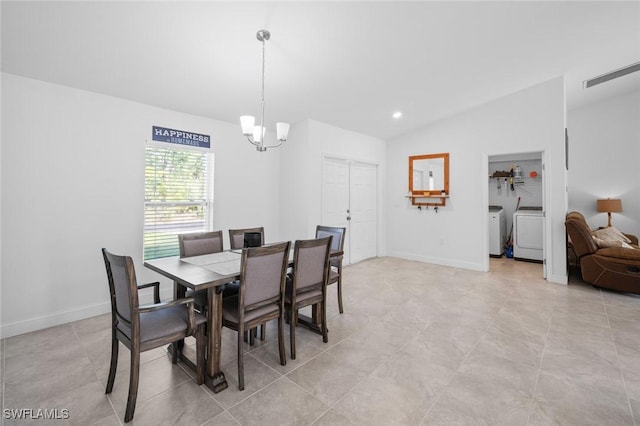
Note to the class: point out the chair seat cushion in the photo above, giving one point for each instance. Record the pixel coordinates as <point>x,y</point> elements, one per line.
<point>620,253</point>
<point>163,322</point>
<point>231,289</point>
<point>200,298</point>
<point>230,310</point>
<point>300,297</point>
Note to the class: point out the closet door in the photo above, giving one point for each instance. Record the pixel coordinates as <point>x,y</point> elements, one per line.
<point>335,197</point>
<point>363,206</point>
<point>350,200</point>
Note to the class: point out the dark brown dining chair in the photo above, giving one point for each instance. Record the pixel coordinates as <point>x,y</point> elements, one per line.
<point>141,328</point>
<point>337,244</point>
<point>245,238</point>
<point>260,299</point>
<point>198,244</point>
<point>237,238</point>
<point>307,283</point>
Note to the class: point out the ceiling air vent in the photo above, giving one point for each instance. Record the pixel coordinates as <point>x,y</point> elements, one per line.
<point>611,75</point>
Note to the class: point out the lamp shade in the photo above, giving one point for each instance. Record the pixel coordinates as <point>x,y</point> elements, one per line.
<point>282,131</point>
<point>258,133</point>
<point>609,205</point>
<point>247,122</point>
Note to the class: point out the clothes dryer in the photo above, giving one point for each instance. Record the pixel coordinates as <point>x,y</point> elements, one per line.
<point>528,228</point>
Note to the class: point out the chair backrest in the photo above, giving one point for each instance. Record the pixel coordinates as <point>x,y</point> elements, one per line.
<point>252,239</point>
<point>311,263</point>
<point>123,289</point>
<point>580,235</point>
<point>262,275</point>
<point>200,243</point>
<point>337,233</point>
<point>237,237</point>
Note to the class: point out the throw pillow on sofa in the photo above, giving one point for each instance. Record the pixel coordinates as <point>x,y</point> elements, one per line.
<point>610,243</point>
<point>610,237</point>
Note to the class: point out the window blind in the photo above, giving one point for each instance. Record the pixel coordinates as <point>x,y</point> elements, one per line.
<point>176,198</point>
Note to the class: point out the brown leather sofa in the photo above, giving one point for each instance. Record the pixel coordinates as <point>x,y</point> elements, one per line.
<point>616,268</point>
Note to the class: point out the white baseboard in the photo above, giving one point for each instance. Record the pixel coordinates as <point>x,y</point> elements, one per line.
<point>558,279</point>
<point>439,261</point>
<point>51,320</point>
<point>63,317</point>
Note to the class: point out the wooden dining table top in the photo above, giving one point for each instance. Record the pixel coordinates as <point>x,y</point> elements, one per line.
<point>196,272</point>
<point>208,270</point>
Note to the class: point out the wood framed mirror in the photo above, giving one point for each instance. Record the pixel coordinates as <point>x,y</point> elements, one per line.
<point>429,175</point>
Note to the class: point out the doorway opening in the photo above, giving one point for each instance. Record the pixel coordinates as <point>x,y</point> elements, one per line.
<point>516,211</point>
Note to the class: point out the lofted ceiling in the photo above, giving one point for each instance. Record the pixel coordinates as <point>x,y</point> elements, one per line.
<point>349,64</point>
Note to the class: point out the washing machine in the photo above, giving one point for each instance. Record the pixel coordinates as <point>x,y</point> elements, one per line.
<point>528,228</point>
<point>497,231</point>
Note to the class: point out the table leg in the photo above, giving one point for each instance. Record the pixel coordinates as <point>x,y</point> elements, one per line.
<point>179,292</point>
<point>314,323</point>
<point>218,380</point>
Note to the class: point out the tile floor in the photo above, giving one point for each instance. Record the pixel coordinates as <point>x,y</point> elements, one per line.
<point>418,344</point>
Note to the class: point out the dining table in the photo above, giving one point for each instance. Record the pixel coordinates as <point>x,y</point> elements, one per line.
<point>208,272</point>
<point>212,272</point>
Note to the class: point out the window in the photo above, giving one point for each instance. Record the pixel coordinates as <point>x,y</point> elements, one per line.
<point>178,189</point>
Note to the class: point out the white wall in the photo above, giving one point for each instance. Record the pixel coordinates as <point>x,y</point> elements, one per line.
<point>531,120</point>
<point>301,201</point>
<point>294,184</point>
<point>604,153</point>
<point>72,182</point>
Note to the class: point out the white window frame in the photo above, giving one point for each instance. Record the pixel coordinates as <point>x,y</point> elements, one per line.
<point>171,249</point>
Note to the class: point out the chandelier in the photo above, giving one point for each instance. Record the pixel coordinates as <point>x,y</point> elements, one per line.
<point>256,134</point>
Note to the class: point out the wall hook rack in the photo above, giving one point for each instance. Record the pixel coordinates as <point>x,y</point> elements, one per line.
<point>427,196</point>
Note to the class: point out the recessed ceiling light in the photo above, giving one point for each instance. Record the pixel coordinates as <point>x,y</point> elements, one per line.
<point>397,115</point>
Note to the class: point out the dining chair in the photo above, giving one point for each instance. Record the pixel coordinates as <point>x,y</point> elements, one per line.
<point>260,299</point>
<point>144,327</point>
<point>337,244</point>
<point>237,238</point>
<point>198,244</point>
<point>245,238</point>
<point>307,283</point>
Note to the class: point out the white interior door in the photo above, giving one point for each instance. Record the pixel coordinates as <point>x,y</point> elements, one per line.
<point>363,207</point>
<point>335,197</point>
<point>350,201</point>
